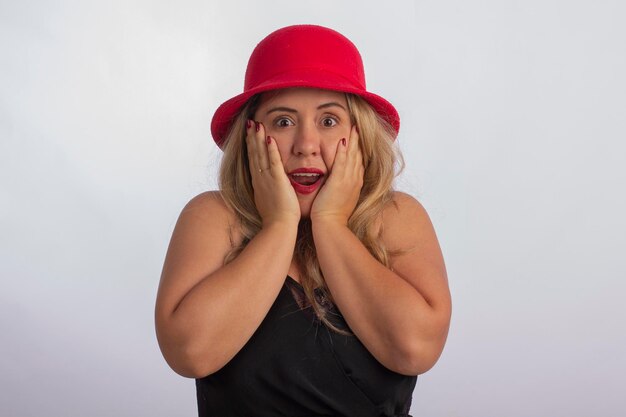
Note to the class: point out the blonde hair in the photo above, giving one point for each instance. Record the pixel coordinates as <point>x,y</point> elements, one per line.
<point>382,162</point>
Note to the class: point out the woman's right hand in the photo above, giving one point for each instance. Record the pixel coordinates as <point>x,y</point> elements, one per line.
<point>275,198</point>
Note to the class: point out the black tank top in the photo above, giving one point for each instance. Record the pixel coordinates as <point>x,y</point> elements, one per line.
<point>295,366</point>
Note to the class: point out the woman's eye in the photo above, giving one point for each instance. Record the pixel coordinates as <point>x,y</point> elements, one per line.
<point>329,122</point>
<point>283,122</point>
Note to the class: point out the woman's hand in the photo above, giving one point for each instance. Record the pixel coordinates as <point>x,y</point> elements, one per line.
<point>339,195</point>
<point>274,197</point>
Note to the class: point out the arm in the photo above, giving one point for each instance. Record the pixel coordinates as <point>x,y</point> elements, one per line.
<point>206,311</point>
<point>401,315</point>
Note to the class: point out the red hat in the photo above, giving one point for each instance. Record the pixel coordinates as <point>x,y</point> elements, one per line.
<point>302,56</point>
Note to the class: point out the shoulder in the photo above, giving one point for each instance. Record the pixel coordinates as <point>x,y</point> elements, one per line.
<point>404,219</point>
<point>209,215</point>
<point>201,239</point>
<point>211,207</point>
<point>415,254</point>
<point>403,201</point>
<point>207,202</point>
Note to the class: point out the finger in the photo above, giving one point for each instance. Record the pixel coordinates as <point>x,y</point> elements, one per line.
<point>354,139</point>
<point>339,163</point>
<point>275,161</point>
<point>354,149</point>
<point>255,138</point>
<point>262,156</point>
<point>251,146</point>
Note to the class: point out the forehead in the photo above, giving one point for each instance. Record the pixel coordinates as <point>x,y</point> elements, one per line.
<point>300,96</point>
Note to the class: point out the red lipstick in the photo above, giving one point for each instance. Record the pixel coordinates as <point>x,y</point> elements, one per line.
<point>305,180</point>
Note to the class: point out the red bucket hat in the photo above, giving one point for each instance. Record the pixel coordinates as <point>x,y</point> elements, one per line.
<point>302,56</point>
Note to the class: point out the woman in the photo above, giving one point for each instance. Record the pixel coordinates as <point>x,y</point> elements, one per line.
<point>306,285</point>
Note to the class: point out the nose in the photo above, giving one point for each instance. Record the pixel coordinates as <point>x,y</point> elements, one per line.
<point>307,140</point>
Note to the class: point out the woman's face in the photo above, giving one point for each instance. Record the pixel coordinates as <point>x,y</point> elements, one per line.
<point>307,125</point>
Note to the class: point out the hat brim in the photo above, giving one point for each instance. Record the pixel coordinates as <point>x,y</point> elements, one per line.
<point>314,78</point>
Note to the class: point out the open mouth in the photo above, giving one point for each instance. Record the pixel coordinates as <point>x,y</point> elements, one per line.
<point>305,178</point>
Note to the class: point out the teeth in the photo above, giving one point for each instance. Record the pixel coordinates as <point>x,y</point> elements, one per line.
<point>305,174</point>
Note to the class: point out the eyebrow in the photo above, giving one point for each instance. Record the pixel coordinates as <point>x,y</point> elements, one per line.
<point>290,110</point>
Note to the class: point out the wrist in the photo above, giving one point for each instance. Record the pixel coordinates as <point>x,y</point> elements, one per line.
<point>284,223</point>
<point>329,220</point>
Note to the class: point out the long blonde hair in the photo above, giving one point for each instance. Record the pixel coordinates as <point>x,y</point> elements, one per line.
<point>382,162</point>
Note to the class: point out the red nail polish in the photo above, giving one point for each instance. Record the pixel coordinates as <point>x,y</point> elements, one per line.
<point>269,140</point>
<point>343,141</point>
<point>257,125</point>
<point>248,123</point>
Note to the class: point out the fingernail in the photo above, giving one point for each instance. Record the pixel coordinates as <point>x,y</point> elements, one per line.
<point>343,141</point>
<point>248,123</point>
<point>257,125</point>
<point>269,140</point>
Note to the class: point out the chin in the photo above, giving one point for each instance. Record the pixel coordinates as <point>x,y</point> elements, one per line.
<point>306,203</point>
<point>305,206</point>
<point>305,211</point>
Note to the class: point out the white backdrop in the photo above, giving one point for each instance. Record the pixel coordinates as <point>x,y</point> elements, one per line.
<point>513,129</point>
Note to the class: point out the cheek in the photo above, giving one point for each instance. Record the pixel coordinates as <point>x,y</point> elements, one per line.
<point>329,150</point>
<point>283,149</point>
<point>284,141</point>
<point>331,144</point>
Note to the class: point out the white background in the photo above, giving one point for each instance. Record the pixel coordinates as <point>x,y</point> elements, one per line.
<point>513,129</point>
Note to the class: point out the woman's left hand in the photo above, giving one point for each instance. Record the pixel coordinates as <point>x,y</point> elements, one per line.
<point>339,195</point>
